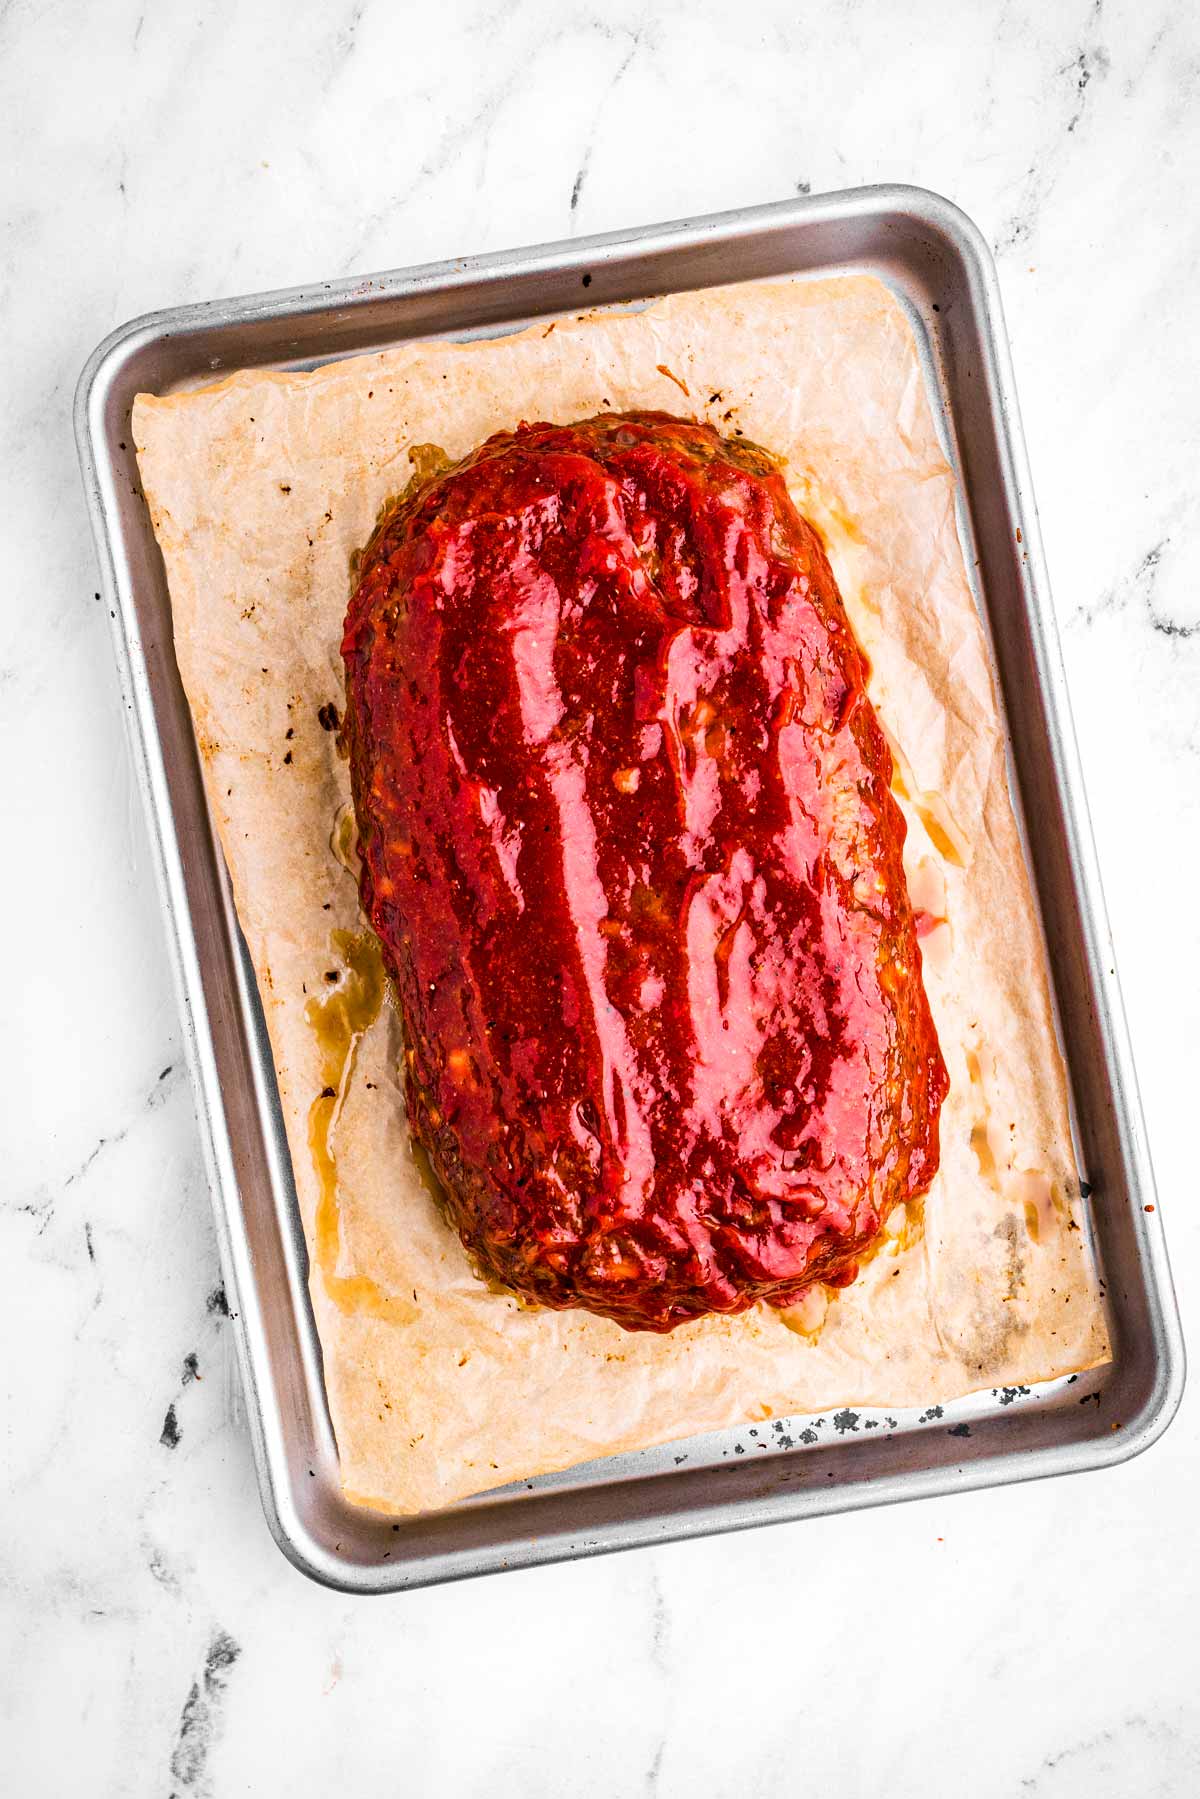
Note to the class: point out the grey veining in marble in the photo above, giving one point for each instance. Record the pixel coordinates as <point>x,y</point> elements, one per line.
<point>152,1640</point>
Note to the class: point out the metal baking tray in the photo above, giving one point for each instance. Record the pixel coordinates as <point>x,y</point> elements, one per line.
<point>936,261</point>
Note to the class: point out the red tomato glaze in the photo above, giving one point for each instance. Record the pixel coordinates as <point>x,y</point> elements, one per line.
<point>630,850</point>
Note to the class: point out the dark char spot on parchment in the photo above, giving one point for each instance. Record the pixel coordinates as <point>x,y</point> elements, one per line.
<point>171,1432</point>
<point>200,1719</point>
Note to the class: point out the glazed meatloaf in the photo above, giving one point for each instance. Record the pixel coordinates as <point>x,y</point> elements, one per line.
<point>629,847</point>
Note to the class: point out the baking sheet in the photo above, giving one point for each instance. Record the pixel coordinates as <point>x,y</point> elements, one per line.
<point>260,489</point>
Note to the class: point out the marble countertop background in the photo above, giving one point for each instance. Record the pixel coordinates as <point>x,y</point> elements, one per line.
<point>1024,1641</point>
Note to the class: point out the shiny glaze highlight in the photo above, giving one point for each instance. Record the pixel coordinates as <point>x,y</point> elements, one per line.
<point>630,849</point>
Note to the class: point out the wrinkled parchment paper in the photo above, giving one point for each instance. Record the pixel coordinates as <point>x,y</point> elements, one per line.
<point>260,488</point>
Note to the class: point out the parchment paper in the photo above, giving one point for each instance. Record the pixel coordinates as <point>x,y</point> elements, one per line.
<point>260,489</point>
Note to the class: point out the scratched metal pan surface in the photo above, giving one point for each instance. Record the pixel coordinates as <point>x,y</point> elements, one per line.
<point>936,261</point>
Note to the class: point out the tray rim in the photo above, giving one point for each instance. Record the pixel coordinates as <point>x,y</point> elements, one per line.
<point>340,300</point>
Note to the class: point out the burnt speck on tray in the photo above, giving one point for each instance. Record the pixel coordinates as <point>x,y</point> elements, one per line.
<point>806,1436</point>
<point>960,1430</point>
<point>1086,1189</point>
<point>1085,1397</point>
<point>1006,1395</point>
<point>163,1073</point>
<point>191,1367</point>
<point>217,1302</point>
<point>327,716</point>
<point>844,1421</point>
<point>171,1433</point>
<point>935,1411</point>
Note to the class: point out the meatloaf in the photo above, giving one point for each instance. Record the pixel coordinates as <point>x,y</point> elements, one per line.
<point>629,847</point>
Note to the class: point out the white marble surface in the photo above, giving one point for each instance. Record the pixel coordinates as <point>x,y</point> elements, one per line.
<point>152,1640</point>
